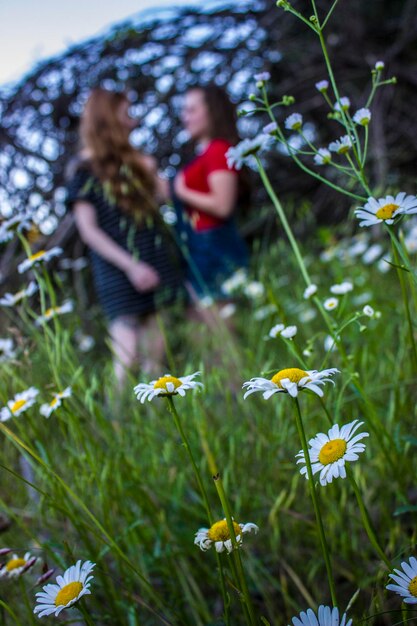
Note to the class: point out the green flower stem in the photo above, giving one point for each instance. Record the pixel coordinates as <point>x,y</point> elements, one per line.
<point>316,506</point>
<point>366,520</point>
<point>359,174</point>
<point>177,420</point>
<point>329,13</point>
<point>5,608</point>
<point>210,518</point>
<point>105,536</point>
<point>252,620</point>
<point>86,615</point>
<point>403,286</point>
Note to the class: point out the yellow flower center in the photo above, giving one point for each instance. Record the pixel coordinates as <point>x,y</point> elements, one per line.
<point>161,383</point>
<point>386,212</point>
<point>14,564</point>
<point>412,587</point>
<point>220,531</point>
<point>49,312</point>
<point>293,373</point>
<point>68,593</point>
<point>37,255</point>
<point>332,451</point>
<point>54,402</point>
<point>17,405</point>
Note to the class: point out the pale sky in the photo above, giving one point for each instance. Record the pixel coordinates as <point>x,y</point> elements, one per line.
<point>33,30</point>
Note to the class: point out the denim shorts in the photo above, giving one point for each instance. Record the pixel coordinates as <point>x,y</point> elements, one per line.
<point>213,256</point>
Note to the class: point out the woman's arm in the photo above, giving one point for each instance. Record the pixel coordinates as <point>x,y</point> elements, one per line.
<point>219,201</point>
<point>142,276</point>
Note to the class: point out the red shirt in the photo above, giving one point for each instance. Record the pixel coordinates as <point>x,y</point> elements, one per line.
<point>196,174</point>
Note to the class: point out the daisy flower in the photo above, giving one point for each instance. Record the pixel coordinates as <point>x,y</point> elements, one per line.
<point>294,121</point>
<point>227,311</point>
<point>6,350</point>
<point>325,617</point>
<point>291,380</point>
<point>323,157</point>
<point>262,77</point>
<point>330,304</point>
<point>20,403</point>
<point>379,66</point>
<point>69,588</point>
<point>235,281</point>
<point>341,288</point>
<point>368,311</point>
<point>42,256</point>
<point>342,145</point>
<point>53,311</point>
<point>329,453</point>
<point>16,565</point>
<point>47,409</point>
<point>386,209</point>
<point>276,330</point>
<point>309,291</point>
<point>362,117</point>
<point>166,386</point>
<point>17,223</point>
<point>254,289</point>
<point>242,153</point>
<point>289,332</point>
<point>342,105</point>
<point>10,299</point>
<point>406,580</point>
<point>270,128</point>
<point>219,534</point>
<point>322,85</point>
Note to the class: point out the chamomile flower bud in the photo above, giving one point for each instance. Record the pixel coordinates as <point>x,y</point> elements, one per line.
<point>262,77</point>
<point>342,145</point>
<point>270,128</point>
<point>341,289</point>
<point>342,105</point>
<point>323,157</point>
<point>289,332</point>
<point>330,304</point>
<point>294,121</point>
<point>362,117</point>
<point>243,152</point>
<point>379,66</point>
<point>322,86</point>
<point>368,311</point>
<point>309,291</point>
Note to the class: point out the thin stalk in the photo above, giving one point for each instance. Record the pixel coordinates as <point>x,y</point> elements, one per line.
<point>403,286</point>
<point>177,420</point>
<point>236,552</point>
<point>316,506</point>
<point>366,520</point>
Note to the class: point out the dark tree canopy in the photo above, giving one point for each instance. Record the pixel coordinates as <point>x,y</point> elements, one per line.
<point>156,58</point>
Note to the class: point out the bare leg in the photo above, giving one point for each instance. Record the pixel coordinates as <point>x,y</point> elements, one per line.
<point>151,346</point>
<point>124,333</point>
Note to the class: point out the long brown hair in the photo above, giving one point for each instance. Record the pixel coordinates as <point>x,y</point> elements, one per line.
<point>223,125</point>
<point>126,181</point>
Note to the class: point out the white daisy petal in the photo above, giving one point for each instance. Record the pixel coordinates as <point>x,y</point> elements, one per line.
<point>330,453</point>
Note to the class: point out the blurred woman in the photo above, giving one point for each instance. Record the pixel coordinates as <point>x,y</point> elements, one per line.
<point>211,192</point>
<point>113,193</point>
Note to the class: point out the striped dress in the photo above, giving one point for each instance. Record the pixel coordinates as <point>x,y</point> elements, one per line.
<point>149,241</point>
